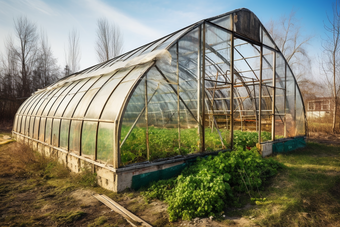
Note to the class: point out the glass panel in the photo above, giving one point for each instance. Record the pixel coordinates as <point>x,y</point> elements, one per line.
<point>245,107</point>
<point>76,97</point>
<point>217,61</point>
<point>127,56</point>
<point>44,100</point>
<point>134,148</point>
<point>187,61</point>
<point>267,66</point>
<point>33,103</point>
<point>31,127</point>
<point>65,125</point>
<point>55,132</point>
<point>15,123</point>
<point>136,54</point>
<point>18,123</point>
<point>36,127</point>
<point>48,130</point>
<point>266,126</point>
<point>246,61</point>
<point>41,100</point>
<point>223,22</point>
<point>118,97</point>
<point>87,98</point>
<point>266,111</point>
<point>280,71</point>
<point>188,47</point>
<point>190,139</point>
<point>172,39</point>
<point>267,39</point>
<point>300,116</point>
<point>105,142</point>
<point>42,129</point>
<point>279,101</point>
<point>88,139</point>
<point>63,105</point>
<point>101,97</point>
<point>75,136</point>
<point>61,97</point>
<point>67,96</point>
<point>162,117</point>
<point>290,105</point>
<point>133,109</point>
<point>247,24</point>
<point>104,93</point>
<point>279,127</point>
<point>52,100</point>
<point>27,125</point>
<point>155,44</point>
<point>23,105</point>
<point>22,127</point>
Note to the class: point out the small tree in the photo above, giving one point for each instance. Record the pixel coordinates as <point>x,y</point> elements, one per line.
<point>109,40</point>
<point>331,60</point>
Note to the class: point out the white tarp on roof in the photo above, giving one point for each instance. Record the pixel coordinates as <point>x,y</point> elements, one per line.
<point>158,55</point>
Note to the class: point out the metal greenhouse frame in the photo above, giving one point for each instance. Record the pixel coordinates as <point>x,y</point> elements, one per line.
<point>181,96</point>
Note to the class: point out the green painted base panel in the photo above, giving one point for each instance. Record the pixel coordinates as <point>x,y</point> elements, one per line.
<point>143,180</point>
<point>289,145</point>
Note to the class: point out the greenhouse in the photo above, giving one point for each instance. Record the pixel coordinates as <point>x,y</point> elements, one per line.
<point>206,88</point>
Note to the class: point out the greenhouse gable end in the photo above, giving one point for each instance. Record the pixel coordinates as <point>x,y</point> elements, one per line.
<point>142,115</point>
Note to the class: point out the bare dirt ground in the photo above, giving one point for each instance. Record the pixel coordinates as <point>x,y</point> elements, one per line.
<point>323,137</point>
<point>37,199</point>
<point>28,199</point>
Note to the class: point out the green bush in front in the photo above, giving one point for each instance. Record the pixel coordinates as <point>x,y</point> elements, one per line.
<point>208,185</point>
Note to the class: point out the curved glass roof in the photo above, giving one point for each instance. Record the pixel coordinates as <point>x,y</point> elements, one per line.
<point>187,92</point>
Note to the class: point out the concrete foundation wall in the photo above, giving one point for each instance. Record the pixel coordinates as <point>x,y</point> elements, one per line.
<point>267,148</point>
<point>125,177</point>
<point>282,145</point>
<point>108,178</point>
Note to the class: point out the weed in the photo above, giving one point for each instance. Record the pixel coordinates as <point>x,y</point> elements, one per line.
<point>306,194</point>
<point>86,178</point>
<point>68,217</point>
<point>98,222</point>
<point>204,188</point>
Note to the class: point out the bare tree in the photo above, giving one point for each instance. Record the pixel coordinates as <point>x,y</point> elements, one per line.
<point>46,69</point>
<point>26,65</point>
<point>288,36</point>
<point>331,59</point>
<point>109,40</point>
<point>73,51</point>
<point>26,51</point>
<point>9,72</point>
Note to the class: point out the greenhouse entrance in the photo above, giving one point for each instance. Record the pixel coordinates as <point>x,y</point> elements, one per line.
<point>219,83</point>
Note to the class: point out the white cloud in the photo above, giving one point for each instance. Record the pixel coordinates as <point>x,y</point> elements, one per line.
<point>132,25</point>
<point>39,5</point>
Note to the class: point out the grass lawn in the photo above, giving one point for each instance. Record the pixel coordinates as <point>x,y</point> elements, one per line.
<point>306,193</point>
<point>37,191</point>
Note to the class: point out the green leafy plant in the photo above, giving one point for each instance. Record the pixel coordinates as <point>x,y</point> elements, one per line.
<point>204,188</point>
<point>163,142</point>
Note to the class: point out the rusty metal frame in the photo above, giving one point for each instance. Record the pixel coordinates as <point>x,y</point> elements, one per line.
<point>231,134</point>
<point>27,117</point>
<point>274,96</point>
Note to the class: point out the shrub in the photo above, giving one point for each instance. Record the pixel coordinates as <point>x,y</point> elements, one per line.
<point>204,188</point>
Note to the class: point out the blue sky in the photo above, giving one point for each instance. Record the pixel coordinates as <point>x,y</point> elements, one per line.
<point>144,21</point>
